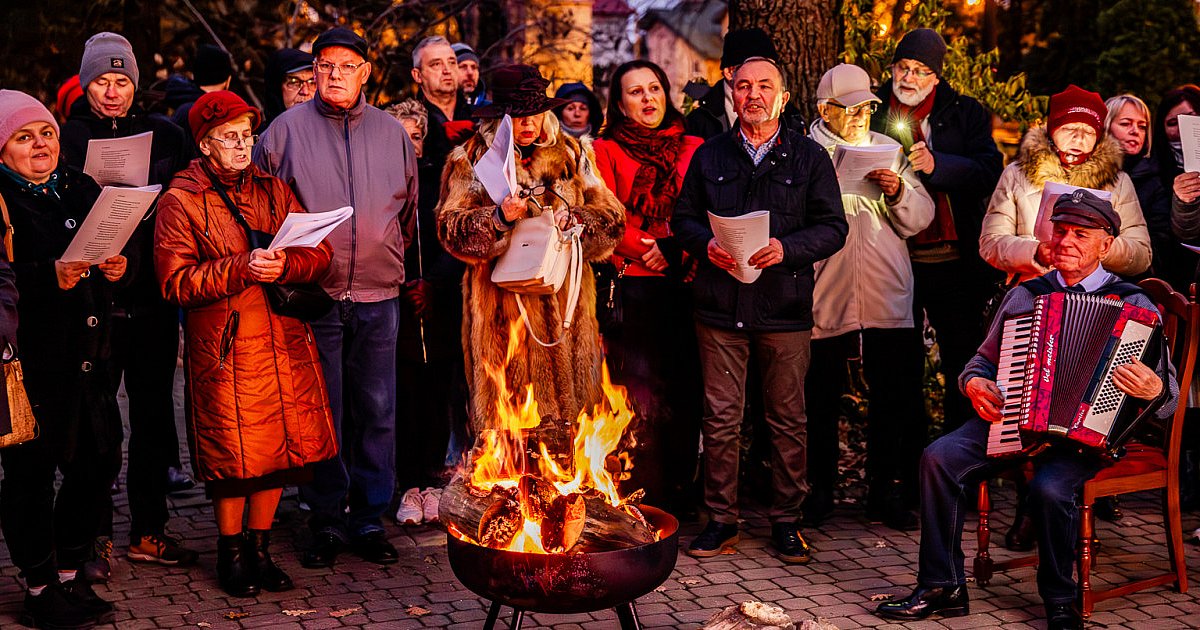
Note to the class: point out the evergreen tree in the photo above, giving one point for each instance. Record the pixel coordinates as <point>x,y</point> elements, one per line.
<point>1147,48</point>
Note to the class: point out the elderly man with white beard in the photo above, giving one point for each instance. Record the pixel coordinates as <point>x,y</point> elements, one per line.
<point>948,139</point>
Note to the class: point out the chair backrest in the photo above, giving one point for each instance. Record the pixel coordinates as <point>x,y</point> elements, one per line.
<point>1181,325</point>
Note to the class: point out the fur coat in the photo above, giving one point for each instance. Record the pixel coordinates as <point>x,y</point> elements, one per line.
<point>566,377</point>
<point>1007,241</point>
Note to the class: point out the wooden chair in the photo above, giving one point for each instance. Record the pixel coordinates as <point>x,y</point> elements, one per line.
<point>1143,468</point>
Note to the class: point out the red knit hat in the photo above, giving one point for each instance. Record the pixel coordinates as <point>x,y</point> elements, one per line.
<point>1076,104</point>
<point>68,93</point>
<point>214,109</point>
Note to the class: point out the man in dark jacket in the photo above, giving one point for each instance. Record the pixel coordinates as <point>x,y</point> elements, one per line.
<point>714,113</point>
<point>762,164</point>
<point>145,326</point>
<point>948,138</point>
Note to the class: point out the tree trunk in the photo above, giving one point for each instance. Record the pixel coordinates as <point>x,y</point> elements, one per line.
<point>807,34</point>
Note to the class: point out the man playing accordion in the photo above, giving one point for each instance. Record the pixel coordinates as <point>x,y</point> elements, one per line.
<point>1084,226</point>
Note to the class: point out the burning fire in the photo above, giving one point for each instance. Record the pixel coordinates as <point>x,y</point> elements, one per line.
<point>501,457</point>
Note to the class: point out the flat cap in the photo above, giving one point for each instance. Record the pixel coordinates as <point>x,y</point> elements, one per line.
<point>1083,208</point>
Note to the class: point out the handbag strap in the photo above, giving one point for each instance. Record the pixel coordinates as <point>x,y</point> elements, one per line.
<point>233,209</point>
<point>8,231</point>
<point>574,286</point>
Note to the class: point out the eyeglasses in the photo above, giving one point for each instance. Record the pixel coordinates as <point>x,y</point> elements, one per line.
<point>901,71</point>
<point>235,143</point>
<point>324,67</point>
<point>863,108</point>
<point>294,83</point>
<point>533,192</point>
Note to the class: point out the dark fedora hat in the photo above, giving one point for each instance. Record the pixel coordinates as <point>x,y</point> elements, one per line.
<point>518,90</point>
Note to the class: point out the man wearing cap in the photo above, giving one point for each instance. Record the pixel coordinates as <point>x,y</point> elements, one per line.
<point>145,326</point>
<point>336,150</point>
<point>212,71</point>
<point>862,303</point>
<point>473,87</point>
<point>715,112</point>
<point>1084,226</point>
<point>289,81</point>
<point>948,139</point>
<point>761,164</point>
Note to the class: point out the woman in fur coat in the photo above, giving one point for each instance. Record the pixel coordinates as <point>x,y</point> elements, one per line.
<point>554,171</point>
<point>1073,148</point>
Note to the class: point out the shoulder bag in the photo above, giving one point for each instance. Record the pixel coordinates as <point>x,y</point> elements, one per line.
<point>540,259</point>
<point>17,423</point>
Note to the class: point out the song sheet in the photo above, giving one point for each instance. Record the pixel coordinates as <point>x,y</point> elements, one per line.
<point>110,223</point>
<point>742,236</point>
<point>497,170</point>
<point>1189,134</point>
<point>1051,191</point>
<point>853,164</point>
<point>119,161</point>
<point>308,229</point>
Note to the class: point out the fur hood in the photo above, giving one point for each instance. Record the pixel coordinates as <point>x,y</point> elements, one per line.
<point>1039,162</point>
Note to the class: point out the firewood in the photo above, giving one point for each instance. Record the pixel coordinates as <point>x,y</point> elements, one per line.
<point>500,523</point>
<point>611,527</point>
<point>751,616</point>
<point>563,523</point>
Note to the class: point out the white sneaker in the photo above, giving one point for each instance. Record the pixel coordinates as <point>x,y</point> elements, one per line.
<point>410,507</point>
<point>431,498</point>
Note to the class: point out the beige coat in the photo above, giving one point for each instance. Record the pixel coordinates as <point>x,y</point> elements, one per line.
<point>1007,241</point>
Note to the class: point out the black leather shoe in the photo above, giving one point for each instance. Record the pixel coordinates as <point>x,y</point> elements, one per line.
<point>716,538</point>
<point>97,606</point>
<point>54,607</point>
<point>323,552</point>
<point>374,547</point>
<point>1063,617</point>
<point>270,577</point>
<point>1021,535</point>
<point>947,602</point>
<point>790,544</point>
<point>885,504</point>
<point>1107,509</point>
<point>237,572</point>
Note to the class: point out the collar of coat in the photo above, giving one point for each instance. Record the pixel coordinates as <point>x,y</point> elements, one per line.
<point>194,179</point>
<point>329,111</point>
<point>783,142</point>
<point>944,97</point>
<point>1040,164</point>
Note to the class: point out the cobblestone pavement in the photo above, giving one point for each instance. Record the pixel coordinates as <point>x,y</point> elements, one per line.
<point>853,561</point>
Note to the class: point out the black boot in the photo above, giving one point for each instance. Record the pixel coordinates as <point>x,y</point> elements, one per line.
<point>885,504</point>
<point>270,577</point>
<point>237,573</point>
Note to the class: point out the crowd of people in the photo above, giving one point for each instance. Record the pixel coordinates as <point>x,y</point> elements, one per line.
<point>370,405</point>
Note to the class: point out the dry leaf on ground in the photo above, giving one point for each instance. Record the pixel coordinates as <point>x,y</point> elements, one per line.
<point>430,560</point>
<point>689,581</point>
<point>298,613</point>
<point>417,611</point>
<point>203,624</point>
<point>344,611</point>
<point>234,614</point>
<point>879,597</point>
<point>881,544</point>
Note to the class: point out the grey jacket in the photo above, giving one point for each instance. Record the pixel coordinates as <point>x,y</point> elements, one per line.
<point>359,157</point>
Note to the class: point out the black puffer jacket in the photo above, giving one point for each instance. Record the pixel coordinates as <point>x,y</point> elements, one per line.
<point>796,183</point>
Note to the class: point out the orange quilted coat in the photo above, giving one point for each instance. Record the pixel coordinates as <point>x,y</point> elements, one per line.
<point>258,404</point>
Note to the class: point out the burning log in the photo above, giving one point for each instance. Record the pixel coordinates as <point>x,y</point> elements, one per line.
<point>494,518</point>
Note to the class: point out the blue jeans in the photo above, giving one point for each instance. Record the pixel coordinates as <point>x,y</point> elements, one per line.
<point>960,458</point>
<point>357,344</point>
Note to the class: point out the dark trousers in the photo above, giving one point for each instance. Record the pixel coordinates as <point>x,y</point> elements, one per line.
<point>783,360</point>
<point>46,532</point>
<point>145,351</point>
<point>655,358</point>
<point>952,295</point>
<point>432,400</point>
<point>896,420</point>
<point>958,460</point>
<point>357,344</point>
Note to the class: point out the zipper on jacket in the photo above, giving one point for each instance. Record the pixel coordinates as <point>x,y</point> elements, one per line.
<point>348,295</point>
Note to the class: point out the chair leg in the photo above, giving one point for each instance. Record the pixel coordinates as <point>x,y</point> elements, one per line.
<point>1174,528</point>
<point>983,560</point>
<point>1086,530</point>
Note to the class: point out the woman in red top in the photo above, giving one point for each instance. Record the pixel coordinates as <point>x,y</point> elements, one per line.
<point>642,155</point>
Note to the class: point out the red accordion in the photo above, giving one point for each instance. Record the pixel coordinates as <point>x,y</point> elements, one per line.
<point>1055,371</point>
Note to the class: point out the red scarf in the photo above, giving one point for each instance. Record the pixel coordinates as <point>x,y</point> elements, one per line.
<point>941,229</point>
<point>657,153</point>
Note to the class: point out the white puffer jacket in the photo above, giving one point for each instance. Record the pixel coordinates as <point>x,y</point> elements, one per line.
<point>869,282</point>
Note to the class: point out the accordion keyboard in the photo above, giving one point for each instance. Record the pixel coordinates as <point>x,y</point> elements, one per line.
<point>1004,436</point>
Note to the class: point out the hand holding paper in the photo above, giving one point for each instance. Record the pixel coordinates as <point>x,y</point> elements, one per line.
<point>110,223</point>
<point>853,164</point>
<point>1189,135</point>
<point>497,170</point>
<point>308,229</point>
<point>742,237</point>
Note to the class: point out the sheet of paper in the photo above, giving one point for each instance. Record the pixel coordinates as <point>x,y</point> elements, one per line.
<point>308,229</point>
<point>497,170</point>
<point>853,164</point>
<point>1189,134</point>
<point>742,236</point>
<point>110,223</point>
<point>119,161</point>
<point>1051,191</point>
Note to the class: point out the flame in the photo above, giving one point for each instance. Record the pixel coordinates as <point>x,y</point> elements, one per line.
<point>501,453</point>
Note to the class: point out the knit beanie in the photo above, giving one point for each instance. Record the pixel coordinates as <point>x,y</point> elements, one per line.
<point>745,43</point>
<point>211,66</point>
<point>1076,104</point>
<point>107,52</point>
<point>214,109</point>
<point>68,93</point>
<point>924,45</point>
<point>463,51</point>
<point>18,109</point>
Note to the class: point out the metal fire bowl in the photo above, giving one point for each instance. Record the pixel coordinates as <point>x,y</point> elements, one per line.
<point>568,583</point>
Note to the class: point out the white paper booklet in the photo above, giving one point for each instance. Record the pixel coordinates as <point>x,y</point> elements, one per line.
<point>497,170</point>
<point>119,161</point>
<point>853,164</point>
<point>742,237</point>
<point>1189,134</point>
<point>1051,191</point>
<point>308,229</point>
<point>110,223</point>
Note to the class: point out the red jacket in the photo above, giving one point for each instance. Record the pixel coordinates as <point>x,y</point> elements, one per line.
<point>618,170</point>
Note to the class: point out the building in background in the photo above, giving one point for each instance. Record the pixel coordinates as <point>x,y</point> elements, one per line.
<point>685,40</point>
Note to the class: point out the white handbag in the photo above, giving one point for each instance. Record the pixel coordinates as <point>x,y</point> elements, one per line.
<point>541,258</point>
